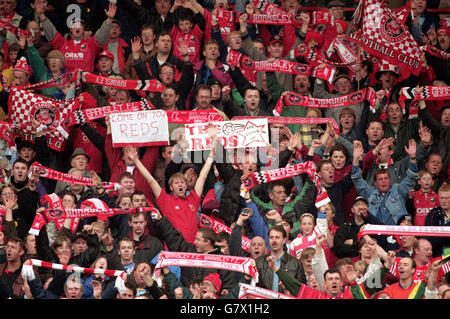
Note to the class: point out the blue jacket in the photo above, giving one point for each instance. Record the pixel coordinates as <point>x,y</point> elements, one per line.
<point>394,199</point>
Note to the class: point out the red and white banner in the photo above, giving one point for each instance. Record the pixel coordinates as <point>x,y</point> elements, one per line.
<point>231,134</point>
<point>141,128</point>
<point>385,37</point>
<point>428,231</point>
<point>51,114</point>
<point>224,262</point>
<point>247,291</point>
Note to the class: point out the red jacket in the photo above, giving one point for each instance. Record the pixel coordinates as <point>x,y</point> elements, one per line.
<point>120,53</point>
<point>117,166</point>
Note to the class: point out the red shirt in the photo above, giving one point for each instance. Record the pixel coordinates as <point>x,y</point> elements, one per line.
<point>80,54</point>
<point>193,40</point>
<point>423,203</point>
<point>181,212</point>
<point>396,292</point>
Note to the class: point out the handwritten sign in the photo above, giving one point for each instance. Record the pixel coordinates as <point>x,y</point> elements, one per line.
<point>141,128</point>
<point>231,134</point>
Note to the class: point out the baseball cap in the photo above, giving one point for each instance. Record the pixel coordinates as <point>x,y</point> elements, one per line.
<point>275,38</point>
<point>360,198</point>
<point>107,54</point>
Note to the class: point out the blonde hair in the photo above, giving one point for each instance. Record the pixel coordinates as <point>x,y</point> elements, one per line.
<point>56,54</point>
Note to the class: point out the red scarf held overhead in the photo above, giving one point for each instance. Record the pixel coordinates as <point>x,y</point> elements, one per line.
<point>240,60</point>
<point>268,176</point>
<point>136,85</point>
<point>427,231</point>
<point>293,98</point>
<point>54,214</point>
<point>77,269</point>
<point>435,52</point>
<point>183,259</point>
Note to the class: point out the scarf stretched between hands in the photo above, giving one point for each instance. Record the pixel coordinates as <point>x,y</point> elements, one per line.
<point>217,227</point>
<point>80,270</point>
<point>254,292</point>
<point>53,214</point>
<point>276,15</point>
<point>428,93</point>
<point>268,176</point>
<point>182,259</point>
<point>137,85</point>
<point>64,177</point>
<point>179,117</point>
<point>427,231</point>
<point>13,29</point>
<point>293,120</point>
<point>435,52</point>
<point>242,61</point>
<point>292,98</point>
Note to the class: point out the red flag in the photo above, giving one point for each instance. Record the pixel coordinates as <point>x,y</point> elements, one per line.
<point>384,36</point>
<point>52,114</point>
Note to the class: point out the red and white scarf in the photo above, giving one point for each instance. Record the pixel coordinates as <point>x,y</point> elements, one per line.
<point>224,262</point>
<point>242,61</point>
<point>268,176</point>
<point>13,29</point>
<point>293,120</point>
<point>217,227</point>
<point>53,214</point>
<point>296,99</point>
<point>78,269</point>
<point>247,291</point>
<point>428,93</point>
<point>427,231</point>
<point>179,117</point>
<point>5,133</point>
<point>64,177</point>
<point>435,52</point>
<point>276,15</point>
<point>58,81</point>
<point>316,56</point>
<point>53,201</point>
<point>137,85</point>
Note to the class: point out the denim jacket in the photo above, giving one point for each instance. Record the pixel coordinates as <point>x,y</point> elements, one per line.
<point>394,198</point>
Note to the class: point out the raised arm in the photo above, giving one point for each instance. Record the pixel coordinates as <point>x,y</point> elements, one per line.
<point>154,185</point>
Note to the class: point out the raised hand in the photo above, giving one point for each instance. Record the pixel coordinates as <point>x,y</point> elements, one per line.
<point>425,135</point>
<point>131,152</point>
<point>183,47</point>
<point>411,149</point>
<point>111,12</point>
<point>136,44</point>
